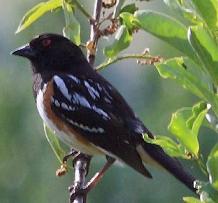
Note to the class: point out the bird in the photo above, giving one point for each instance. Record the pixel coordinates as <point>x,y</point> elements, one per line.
<point>88,113</point>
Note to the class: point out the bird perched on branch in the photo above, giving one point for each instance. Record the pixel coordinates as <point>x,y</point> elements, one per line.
<point>87,112</point>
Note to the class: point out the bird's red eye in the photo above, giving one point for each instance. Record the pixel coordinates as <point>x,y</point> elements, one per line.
<point>46,42</point>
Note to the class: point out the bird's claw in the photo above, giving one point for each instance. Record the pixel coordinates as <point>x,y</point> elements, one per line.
<point>76,191</point>
<point>81,156</point>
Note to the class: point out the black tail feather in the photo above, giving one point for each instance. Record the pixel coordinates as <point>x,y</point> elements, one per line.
<point>170,164</point>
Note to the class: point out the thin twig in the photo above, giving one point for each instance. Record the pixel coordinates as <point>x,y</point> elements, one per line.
<point>131,56</point>
<point>94,33</point>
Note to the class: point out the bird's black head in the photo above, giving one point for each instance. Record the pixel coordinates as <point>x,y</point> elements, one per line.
<point>52,52</point>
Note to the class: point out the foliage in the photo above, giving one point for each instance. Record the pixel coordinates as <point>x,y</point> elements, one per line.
<point>195,35</point>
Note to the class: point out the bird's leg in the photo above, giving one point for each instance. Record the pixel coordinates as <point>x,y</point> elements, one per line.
<point>74,192</point>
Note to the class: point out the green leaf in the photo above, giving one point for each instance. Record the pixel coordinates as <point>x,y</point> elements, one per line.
<point>184,9</point>
<point>192,200</point>
<point>129,8</point>
<point>212,167</point>
<point>126,19</point>
<point>185,124</point>
<point>122,40</point>
<point>36,12</point>
<point>72,28</point>
<point>187,74</point>
<point>198,114</point>
<point>54,143</point>
<point>168,145</point>
<point>191,76</point>
<point>209,11</point>
<point>165,28</point>
<point>206,49</point>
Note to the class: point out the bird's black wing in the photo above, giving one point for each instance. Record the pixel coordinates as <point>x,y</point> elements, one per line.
<point>98,112</point>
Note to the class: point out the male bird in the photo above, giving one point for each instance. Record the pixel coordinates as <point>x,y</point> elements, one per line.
<point>86,111</point>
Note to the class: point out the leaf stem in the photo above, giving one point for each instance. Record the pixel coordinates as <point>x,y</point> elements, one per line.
<point>129,56</point>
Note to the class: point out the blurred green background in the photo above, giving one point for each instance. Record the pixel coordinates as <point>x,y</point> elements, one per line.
<point>27,163</point>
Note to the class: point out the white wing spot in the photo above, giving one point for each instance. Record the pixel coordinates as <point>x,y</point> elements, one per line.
<point>92,91</point>
<point>107,100</point>
<point>64,106</point>
<point>56,103</point>
<point>71,108</point>
<point>75,79</point>
<point>99,87</point>
<point>86,128</point>
<point>100,111</point>
<point>62,87</point>
<point>77,99</point>
<point>126,141</point>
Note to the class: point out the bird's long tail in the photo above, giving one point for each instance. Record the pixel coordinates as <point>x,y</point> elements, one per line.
<point>160,158</point>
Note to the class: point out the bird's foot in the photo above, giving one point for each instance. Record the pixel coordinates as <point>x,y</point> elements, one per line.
<point>84,157</point>
<point>76,191</point>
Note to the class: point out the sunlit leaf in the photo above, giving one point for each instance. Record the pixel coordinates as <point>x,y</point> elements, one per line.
<point>169,146</point>
<point>36,12</point>
<point>126,19</point>
<point>165,28</point>
<point>185,124</point>
<point>191,77</point>
<point>206,49</point>
<point>188,75</point>
<point>209,11</point>
<point>198,114</point>
<point>184,9</point>
<point>54,143</point>
<point>212,167</point>
<point>192,200</point>
<point>122,40</point>
<point>129,8</point>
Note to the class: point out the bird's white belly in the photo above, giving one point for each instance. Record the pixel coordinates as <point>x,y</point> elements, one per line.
<point>69,139</point>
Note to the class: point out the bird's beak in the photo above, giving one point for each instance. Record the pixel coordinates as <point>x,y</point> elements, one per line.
<point>24,51</point>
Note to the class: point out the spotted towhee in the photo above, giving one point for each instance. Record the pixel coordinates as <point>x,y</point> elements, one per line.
<point>86,111</point>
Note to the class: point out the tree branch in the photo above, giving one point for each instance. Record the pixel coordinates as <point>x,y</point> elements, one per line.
<point>81,165</point>
<point>81,168</point>
<point>94,33</point>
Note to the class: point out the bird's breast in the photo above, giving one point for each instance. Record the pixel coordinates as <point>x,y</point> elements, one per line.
<point>65,132</point>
